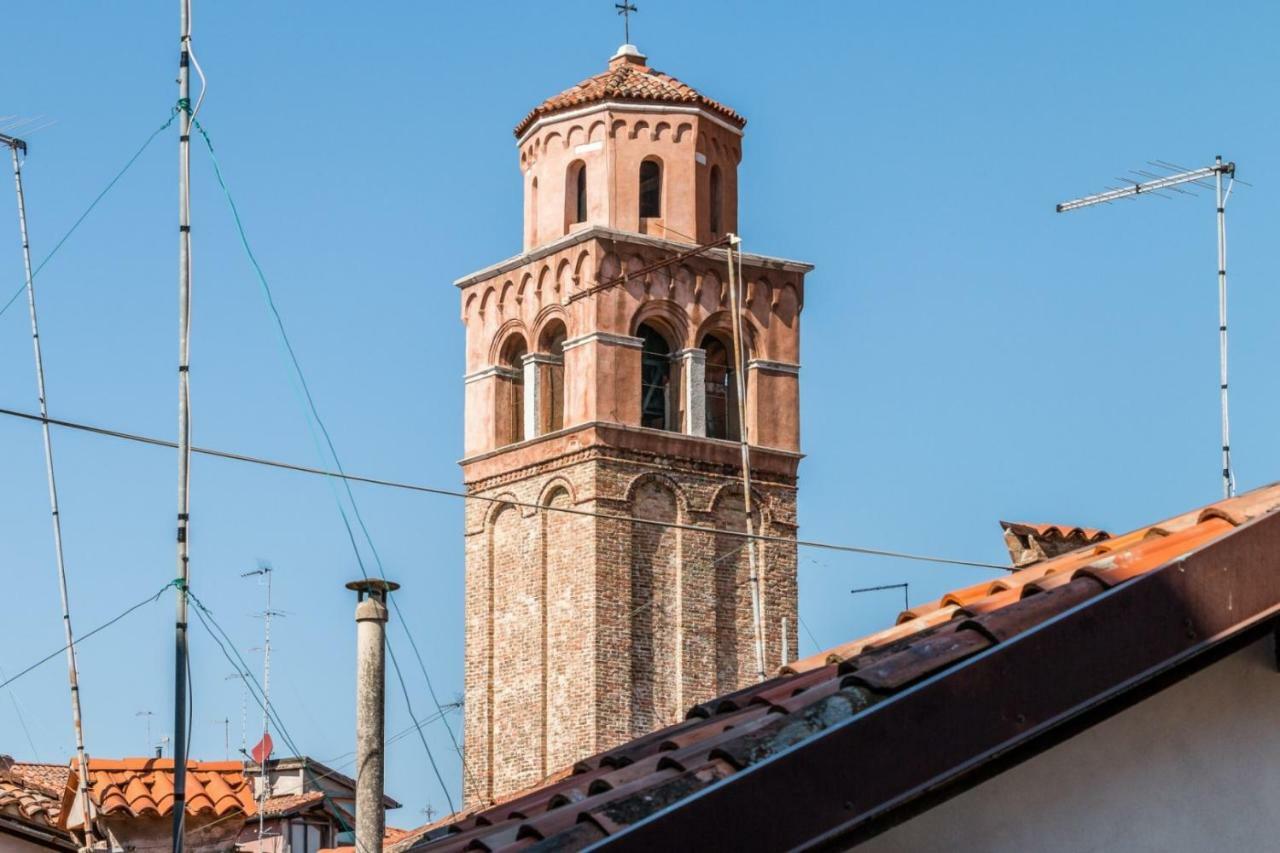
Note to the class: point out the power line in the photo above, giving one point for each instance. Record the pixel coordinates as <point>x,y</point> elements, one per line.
<point>433,490</point>
<point>110,184</point>
<point>305,396</point>
<point>87,635</point>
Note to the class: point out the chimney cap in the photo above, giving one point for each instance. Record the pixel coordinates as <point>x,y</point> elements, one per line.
<point>368,585</point>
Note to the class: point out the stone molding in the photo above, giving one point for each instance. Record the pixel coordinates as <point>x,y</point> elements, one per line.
<point>494,370</point>
<point>787,367</point>
<point>604,338</point>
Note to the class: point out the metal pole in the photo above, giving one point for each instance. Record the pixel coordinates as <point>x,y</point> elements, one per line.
<point>82,760</point>
<point>184,426</point>
<point>757,616</point>
<point>371,670</point>
<point>266,711</point>
<point>1228,480</point>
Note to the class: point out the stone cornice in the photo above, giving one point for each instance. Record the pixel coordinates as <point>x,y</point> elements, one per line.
<point>604,338</point>
<point>788,367</point>
<point>495,370</point>
<point>601,232</point>
<point>712,456</point>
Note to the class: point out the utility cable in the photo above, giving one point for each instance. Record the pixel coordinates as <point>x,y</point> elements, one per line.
<point>87,635</point>
<point>432,490</point>
<point>254,688</point>
<point>308,400</point>
<point>110,184</point>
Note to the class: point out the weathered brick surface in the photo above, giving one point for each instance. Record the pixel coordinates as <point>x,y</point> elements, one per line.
<point>583,632</point>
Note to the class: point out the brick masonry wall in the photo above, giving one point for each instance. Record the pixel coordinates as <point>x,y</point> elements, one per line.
<point>582,633</point>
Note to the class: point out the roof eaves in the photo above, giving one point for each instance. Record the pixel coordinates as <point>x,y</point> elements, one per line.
<point>819,796</point>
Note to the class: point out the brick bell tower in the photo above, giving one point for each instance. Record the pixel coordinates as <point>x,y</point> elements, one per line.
<point>581,631</point>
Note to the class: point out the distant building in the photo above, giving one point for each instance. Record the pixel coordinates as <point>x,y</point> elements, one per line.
<point>586,392</point>
<point>309,807</point>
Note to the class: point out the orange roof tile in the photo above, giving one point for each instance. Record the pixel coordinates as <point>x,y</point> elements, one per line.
<point>613,791</point>
<point>290,803</point>
<point>27,796</point>
<point>627,79</point>
<point>144,787</point>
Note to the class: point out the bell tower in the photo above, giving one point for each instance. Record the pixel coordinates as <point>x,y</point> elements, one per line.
<point>600,379</point>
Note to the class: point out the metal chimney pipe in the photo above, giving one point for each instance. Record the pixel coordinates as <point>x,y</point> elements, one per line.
<point>371,671</point>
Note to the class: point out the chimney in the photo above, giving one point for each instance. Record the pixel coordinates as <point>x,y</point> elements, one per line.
<point>371,670</point>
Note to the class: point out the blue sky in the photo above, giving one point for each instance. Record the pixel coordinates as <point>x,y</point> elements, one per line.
<point>969,355</point>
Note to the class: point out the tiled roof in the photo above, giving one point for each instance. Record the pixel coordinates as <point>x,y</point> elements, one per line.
<point>144,786</point>
<point>880,682</point>
<point>290,803</point>
<point>27,796</point>
<point>628,79</point>
<point>1031,543</point>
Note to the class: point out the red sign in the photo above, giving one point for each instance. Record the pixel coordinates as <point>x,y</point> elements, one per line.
<point>262,752</point>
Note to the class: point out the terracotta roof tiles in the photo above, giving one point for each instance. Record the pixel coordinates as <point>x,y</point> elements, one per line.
<point>628,79</point>
<point>140,787</point>
<point>613,791</point>
<point>27,796</point>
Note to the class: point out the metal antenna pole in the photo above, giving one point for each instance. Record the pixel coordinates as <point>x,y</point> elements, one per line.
<point>264,571</point>
<point>82,760</point>
<point>1228,479</point>
<point>1197,177</point>
<point>735,302</point>
<point>184,426</point>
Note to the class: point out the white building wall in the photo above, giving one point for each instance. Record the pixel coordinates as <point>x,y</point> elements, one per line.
<point>1194,768</point>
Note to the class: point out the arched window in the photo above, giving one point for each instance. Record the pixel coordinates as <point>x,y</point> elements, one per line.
<point>721,390</point>
<point>716,201</point>
<point>655,379</point>
<point>551,379</point>
<point>575,194</point>
<point>533,211</point>
<point>650,188</point>
<point>510,396</point>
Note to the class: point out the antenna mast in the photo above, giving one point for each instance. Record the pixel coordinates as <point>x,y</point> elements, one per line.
<point>1172,182</point>
<point>264,571</point>
<point>82,760</point>
<point>185,116</point>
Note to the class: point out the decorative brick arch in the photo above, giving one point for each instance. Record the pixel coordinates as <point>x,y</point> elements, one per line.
<point>503,336</point>
<point>665,316</point>
<point>682,500</point>
<point>548,315</point>
<point>721,323</point>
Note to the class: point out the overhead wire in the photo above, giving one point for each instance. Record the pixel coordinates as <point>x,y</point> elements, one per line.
<point>80,640</point>
<point>93,204</point>
<point>308,400</point>
<point>433,490</point>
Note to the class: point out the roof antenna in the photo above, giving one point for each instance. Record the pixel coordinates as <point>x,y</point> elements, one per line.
<point>625,9</point>
<point>1168,182</point>
<point>15,146</point>
<point>262,752</point>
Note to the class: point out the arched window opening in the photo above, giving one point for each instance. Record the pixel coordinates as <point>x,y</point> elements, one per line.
<point>655,379</point>
<point>650,189</point>
<point>533,211</point>
<point>510,396</point>
<point>716,201</point>
<point>575,194</point>
<point>551,400</point>
<point>721,390</point>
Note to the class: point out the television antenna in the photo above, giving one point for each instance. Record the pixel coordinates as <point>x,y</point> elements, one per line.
<point>263,572</point>
<point>1158,185</point>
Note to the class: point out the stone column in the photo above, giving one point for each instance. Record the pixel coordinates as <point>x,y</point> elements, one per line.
<point>532,394</point>
<point>371,670</point>
<point>694,373</point>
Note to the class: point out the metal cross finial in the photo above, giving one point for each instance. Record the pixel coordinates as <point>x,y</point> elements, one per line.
<point>625,9</point>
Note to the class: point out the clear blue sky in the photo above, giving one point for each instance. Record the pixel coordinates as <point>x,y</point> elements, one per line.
<point>969,355</point>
